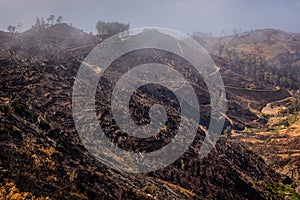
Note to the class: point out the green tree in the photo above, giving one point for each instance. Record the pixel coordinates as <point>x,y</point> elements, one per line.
<point>110,28</point>
<point>102,28</point>
<point>43,22</point>
<point>11,29</point>
<point>51,17</point>
<point>59,19</point>
<point>38,21</point>
<point>48,21</point>
<point>19,27</point>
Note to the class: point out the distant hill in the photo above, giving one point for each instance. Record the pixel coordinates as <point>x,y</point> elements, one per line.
<point>267,43</point>
<point>275,54</point>
<point>41,42</point>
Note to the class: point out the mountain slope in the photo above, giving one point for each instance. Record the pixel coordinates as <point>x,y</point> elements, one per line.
<point>41,153</point>
<point>269,55</point>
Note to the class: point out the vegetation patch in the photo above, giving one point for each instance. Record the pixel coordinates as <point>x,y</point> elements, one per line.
<point>285,191</point>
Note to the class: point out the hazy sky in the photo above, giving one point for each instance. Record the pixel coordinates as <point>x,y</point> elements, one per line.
<point>186,16</point>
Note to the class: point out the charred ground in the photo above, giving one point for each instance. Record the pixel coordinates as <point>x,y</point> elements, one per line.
<point>41,153</point>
